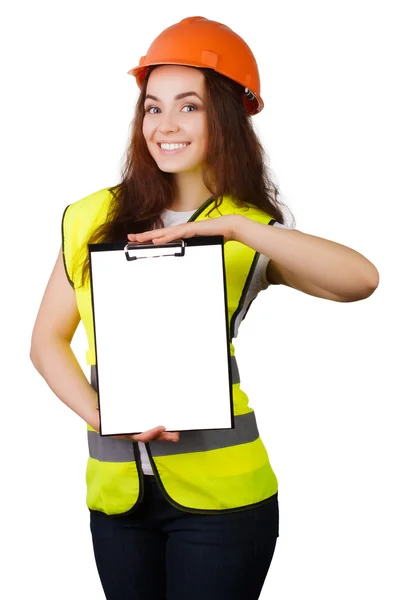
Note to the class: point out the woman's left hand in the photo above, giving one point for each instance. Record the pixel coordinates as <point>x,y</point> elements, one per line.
<point>218,226</point>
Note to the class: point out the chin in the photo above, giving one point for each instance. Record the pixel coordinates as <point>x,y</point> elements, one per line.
<point>168,166</point>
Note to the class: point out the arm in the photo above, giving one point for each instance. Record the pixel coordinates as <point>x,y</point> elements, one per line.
<point>310,264</point>
<point>51,352</point>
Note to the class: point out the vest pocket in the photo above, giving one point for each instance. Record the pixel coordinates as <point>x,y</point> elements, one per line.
<point>112,488</point>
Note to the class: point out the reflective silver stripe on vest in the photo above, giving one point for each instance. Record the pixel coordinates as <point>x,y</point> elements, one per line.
<point>200,441</point>
<point>234,369</point>
<point>109,449</point>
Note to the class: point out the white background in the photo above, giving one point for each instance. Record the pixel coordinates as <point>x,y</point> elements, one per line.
<point>320,375</point>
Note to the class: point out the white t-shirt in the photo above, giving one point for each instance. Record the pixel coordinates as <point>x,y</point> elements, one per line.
<point>258,283</point>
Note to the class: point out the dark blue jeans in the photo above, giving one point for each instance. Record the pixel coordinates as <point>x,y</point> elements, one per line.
<point>162,553</point>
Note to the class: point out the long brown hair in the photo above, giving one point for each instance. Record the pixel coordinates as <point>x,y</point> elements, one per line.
<point>235,165</point>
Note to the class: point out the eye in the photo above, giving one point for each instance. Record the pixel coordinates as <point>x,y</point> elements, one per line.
<point>150,109</point>
<point>189,106</point>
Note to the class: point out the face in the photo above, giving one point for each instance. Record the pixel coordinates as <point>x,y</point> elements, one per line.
<point>174,125</point>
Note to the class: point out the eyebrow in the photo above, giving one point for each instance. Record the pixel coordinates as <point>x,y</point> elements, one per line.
<point>177,97</point>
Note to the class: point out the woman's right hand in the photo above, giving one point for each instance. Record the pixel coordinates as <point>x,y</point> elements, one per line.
<point>157,433</point>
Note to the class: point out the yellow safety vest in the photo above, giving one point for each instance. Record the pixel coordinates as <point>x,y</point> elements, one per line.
<point>206,471</point>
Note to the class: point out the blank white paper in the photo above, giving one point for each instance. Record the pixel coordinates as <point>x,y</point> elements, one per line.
<point>161,340</point>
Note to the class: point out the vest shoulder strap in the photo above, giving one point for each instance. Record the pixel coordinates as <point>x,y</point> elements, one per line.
<point>229,206</point>
<point>78,221</point>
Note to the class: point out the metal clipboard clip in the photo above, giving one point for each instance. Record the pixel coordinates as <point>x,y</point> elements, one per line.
<point>178,243</point>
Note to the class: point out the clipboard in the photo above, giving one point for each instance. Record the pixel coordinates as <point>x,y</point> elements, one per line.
<point>161,335</point>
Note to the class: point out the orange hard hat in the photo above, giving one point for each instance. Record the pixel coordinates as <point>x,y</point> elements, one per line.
<point>199,42</point>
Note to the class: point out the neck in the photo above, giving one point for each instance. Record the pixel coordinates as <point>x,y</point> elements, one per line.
<point>189,191</point>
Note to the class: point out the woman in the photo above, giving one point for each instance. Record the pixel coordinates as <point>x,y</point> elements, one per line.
<point>197,518</point>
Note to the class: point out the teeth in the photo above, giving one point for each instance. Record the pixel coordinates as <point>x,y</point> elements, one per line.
<point>173,146</point>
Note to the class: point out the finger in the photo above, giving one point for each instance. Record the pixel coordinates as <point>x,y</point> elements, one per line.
<point>158,433</point>
<point>170,436</point>
<point>170,237</point>
<point>146,436</point>
<point>141,237</point>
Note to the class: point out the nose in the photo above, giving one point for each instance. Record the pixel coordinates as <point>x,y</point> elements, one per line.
<point>167,123</point>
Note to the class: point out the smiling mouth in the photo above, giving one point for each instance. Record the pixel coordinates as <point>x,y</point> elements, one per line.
<point>167,148</point>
